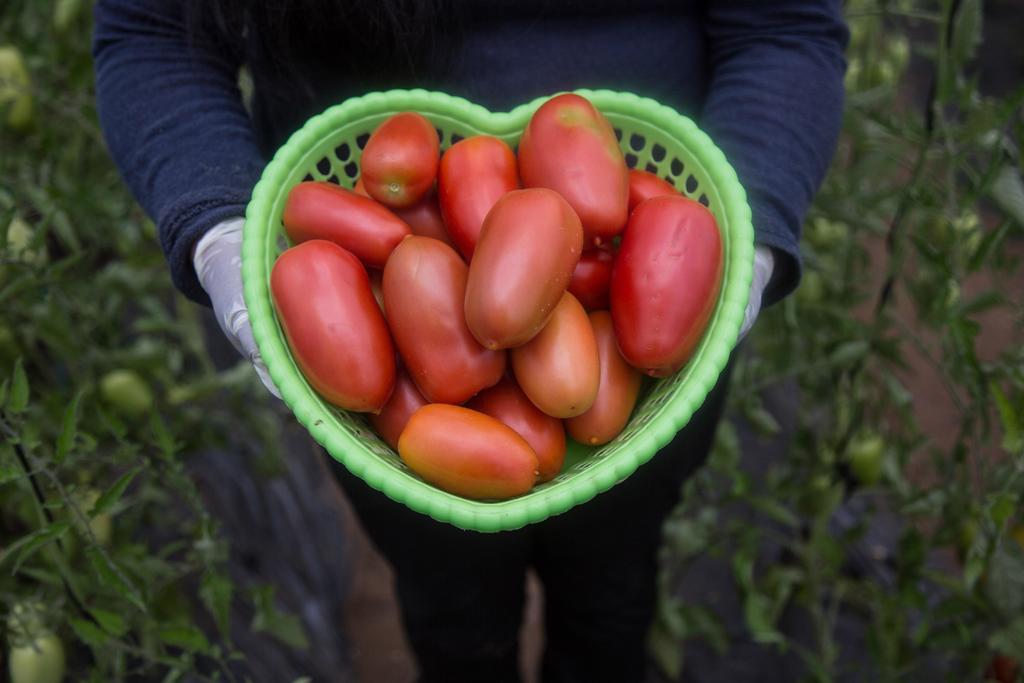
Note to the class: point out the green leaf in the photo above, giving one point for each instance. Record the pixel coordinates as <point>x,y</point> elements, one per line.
<point>112,623</point>
<point>26,546</point>
<point>1008,193</point>
<point>1013,440</point>
<point>989,244</point>
<point>215,592</point>
<point>68,430</point>
<point>3,392</point>
<point>761,419</point>
<point>185,636</point>
<point>848,352</point>
<point>966,31</point>
<point>114,493</point>
<point>285,627</point>
<point>19,389</point>
<point>1009,640</point>
<point>1005,582</point>
<point>666,651</point>
<point>88,632</point>
<point>113,576</point>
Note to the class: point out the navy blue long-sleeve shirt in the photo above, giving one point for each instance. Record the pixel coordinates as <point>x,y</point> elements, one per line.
<point>763,78</point>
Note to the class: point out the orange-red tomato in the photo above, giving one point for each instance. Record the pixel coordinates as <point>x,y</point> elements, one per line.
<point>425,219</point>
<point>644,185</point>
<point>559,369</point>
<point>377,287</point>
<point>399,163</point>
<point>665,282</point>
<point>530,244</point>
<point>593,278</point>
<point>570,147</point>
<point>616,395</point>
<point>467,453</point>
<point>334,327</point>
<point>323,211</point>
<point>405,400</point>
<point>424,287</point>
<point>475,173</point>
<point>506,402</point>
<point>360,188</point>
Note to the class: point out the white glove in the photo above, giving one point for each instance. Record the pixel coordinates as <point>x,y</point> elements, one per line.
<point>218,262</point>
<point>764,264</point>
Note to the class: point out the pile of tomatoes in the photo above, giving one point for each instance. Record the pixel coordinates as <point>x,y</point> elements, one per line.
<point>480,304</point>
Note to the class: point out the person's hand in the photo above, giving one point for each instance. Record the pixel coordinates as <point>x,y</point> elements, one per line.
<point>764,263</point>
<point>218,262</point>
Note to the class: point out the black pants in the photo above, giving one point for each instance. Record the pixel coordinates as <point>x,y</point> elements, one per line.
<point>462,592</point>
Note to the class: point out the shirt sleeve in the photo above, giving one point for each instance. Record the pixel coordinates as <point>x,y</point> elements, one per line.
<point>174,122</point>
<point>774,107</point>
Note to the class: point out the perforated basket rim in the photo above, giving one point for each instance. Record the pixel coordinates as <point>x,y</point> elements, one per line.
<point>703,369</point>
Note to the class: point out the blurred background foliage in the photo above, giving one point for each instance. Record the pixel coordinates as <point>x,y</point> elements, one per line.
<point>896,500</point>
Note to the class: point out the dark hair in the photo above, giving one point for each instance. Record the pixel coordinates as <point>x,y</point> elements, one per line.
<point>370,40</point>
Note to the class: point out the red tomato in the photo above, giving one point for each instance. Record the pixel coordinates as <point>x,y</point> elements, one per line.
<point>665,282</point>
<point>467,453</point>
<point>560,369</point>
<point>475,173</point>
<point>569,147</point>
<point>399,163</point>
<point>644,185</point>
<point>425,219</point>
<point>323,211</point>
<point>333,324</point>
<point>1002,669</point>
<point>592,278</point>
<point>360,188</point>
<point>405,400</point>
<point>506,402</point>
<point>377,286</point>
<point>616,394</point>
<point>528,248</point>
<point>424,287</point>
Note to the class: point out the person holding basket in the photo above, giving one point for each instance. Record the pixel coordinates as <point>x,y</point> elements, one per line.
<point>191,138</point>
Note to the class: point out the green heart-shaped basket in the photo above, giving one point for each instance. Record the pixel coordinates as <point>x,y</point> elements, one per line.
<point>652,136</point>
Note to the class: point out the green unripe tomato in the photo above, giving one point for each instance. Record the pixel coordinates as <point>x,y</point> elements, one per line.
<point>101,526</point>
<point>864,457</point>
<point>898,50</point>
<point>817,496</point>
<point>64,14</point>
<point>126,392</point>
<point>15,89</point>
<point>811,290</point>
<point>853,71</point>
<point>39,660</point>
<point>19,243</point>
